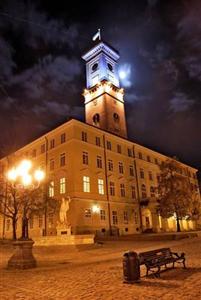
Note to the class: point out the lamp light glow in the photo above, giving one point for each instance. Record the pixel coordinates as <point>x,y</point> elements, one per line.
<point>39,175</point>
<point>12,174</point>
<point>26,179</point>
<point>95,209</point>
<point>24,167</point>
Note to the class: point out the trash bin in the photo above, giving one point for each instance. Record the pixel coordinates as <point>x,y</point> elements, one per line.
<point>131,267</point>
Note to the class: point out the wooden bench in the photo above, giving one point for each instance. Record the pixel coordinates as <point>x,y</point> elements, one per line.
<point>155,259</point>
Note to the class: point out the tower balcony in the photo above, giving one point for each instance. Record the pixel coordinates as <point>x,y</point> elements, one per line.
<point>102,87</point>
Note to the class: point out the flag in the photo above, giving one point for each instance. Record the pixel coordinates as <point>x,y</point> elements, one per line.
<point>97,36</point>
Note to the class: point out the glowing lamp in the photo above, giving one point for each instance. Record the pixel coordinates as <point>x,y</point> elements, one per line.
<point>39,175</point>
<point>24,167</point>
<point>26,179</point>
<point>95,209</point>
<point>12,174</point>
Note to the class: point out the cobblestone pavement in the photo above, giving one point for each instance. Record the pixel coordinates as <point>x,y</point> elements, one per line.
<point>95,272</point>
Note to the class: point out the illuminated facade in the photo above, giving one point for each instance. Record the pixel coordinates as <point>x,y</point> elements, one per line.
<point>108,177</point>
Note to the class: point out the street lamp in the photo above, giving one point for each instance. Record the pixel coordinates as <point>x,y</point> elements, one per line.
<point>24,177</point>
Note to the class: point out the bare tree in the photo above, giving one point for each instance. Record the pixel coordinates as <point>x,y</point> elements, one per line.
<point>176,195</point>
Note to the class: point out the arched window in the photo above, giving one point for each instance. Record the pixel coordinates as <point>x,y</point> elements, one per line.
<point>96,120</point>
<point>144,192</point>
<point>110,67</point>
<point>116,117</point>
<point>94,67</point>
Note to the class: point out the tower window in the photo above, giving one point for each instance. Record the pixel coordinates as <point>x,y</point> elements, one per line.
<point>116,117</point>
<point>110,67</point>
<point>96,119</point>
<point>94,67</point>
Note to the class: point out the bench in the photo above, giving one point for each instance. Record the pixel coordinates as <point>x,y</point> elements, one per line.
<point>155,259</point>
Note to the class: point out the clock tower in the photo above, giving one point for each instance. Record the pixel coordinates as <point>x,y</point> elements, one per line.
<point>104,103</point>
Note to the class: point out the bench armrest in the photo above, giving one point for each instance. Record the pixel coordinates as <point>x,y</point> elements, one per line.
<point>182,255</point>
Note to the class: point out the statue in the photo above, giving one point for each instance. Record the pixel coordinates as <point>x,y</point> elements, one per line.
<point>63,210</point>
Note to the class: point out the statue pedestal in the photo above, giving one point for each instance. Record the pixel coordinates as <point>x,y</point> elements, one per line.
<point>23,257</point>
<point>63,230</point>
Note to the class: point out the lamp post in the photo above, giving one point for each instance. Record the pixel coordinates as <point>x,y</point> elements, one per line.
<point>24,178</point>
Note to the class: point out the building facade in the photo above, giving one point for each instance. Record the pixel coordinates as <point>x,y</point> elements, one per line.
<point>107,176</point>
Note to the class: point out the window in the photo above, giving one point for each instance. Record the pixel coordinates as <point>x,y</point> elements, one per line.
<point>152,191</point>
<point>121,168</point>
<point>112,188</point>
<point>40,221</point>
<point>110,67</point>
<point>51,164</point>
<point>130,154</point>
<point>133,193</point>
<point>50,219</point>
<point>116,117</point>
<point>34,153</point>
<point>118,148</point>
<point>150,175</point>
<point>110,165</point>
<point>62,159</point>
<point>125,217</point>
<point>98,141</point>
<point>109,145</point>
<point>114,217</point>
<point>85,158</point>
<point>52,143</point>
<point>144,192</point>
<point>7,224</point>
<point>87,213</point>
<point>148,158</point>
<point>102,214</point>
<point>42,148</point>
<point>51,189</point>
<point>100,186</point>
<point>136,217</point>
<point>96,120</point>
<point>99,162</point>
<point>84,136</point>
<point>94,67</point>
<point>63,138</point>
<point>141,173</point>
<point>140,155</point>
<point>62,184</point>
<point>86,184</point>
<point>31,222</point>
<point>131,169</point>
<point>122,190</point>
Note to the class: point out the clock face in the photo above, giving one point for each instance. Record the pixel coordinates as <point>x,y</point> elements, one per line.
<point>94,67</point>
<point>110,67</point>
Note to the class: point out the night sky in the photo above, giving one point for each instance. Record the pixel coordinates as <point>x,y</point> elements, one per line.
<point>42,75</point>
